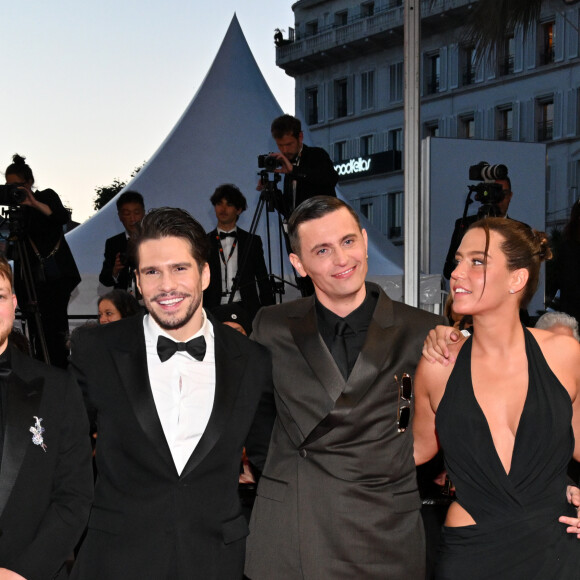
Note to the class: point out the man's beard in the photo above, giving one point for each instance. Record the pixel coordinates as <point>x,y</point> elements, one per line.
<point>173,322</point>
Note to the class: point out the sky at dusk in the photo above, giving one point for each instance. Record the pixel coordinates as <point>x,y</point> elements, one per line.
<point>91,89</point>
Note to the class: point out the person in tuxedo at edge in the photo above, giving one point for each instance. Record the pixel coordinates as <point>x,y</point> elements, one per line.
<point>228,246</point>
<point>176,396</point>
<point>338,495</point>
<point>46,478</point>
<point>117,268</point>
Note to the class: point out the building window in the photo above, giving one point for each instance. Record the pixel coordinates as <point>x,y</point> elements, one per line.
<point>469,60</point>
<point>505,123</point>
<point>395,137</point>
<point>367,9</point>
<point>467,127</point>
<point>312,106</point>
<point>546,39</point>
<point>341,18</point>
<point>340,151</point>
<point>432,70</point>
<point>396,82</point>
<point>545,125</point>
<point>395,215</point>
<point>311,28</point>
<point>432,129</point>
<point>507,56</point>
<point>366,145</point>
<point>367,209</point>
<point>340,98</point>
<point>367,90</point>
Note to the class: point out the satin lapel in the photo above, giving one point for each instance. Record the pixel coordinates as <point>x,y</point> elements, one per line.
<point>130,358</point>
<point>304,330</point>
<point>371,360</point>
<point>23,404</point>
<point>230,365</point>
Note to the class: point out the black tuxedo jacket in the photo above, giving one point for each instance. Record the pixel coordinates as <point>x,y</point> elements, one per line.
<point>341,502</point>
<point>314,175</point>
<point>147,520</point>
<point>253,278</point>
<point>45,496</point>
<point>113,246</point>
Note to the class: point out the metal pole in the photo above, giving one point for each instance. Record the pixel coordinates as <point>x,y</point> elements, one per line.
<point>412,51</point>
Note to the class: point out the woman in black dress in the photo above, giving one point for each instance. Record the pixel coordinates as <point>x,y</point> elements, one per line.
<point>505,414</point>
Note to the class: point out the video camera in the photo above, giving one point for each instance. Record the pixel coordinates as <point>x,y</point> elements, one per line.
<point>269,162</point>
<point>12,194</point>
<point>488,193</point>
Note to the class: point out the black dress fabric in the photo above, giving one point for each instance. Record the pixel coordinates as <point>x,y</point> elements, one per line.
<point>517,534</point>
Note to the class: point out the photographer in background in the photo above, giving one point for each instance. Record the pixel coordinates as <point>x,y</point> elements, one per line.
<point>308,171</point>
<point>41,217</point>
<point>462,224</point>
<point>117,270</point>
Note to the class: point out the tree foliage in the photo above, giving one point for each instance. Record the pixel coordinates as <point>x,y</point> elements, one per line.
<point>105,193</point>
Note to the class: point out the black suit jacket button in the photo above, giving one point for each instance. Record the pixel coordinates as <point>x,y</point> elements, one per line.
<point>303,453</point>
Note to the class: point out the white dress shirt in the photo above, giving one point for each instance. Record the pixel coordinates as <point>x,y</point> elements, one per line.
<point>230,268</point>
<point>183,390</point>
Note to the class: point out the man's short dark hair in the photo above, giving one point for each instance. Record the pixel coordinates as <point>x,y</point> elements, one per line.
<point>231,194</point>
<point>165,222</point>
<point>130,197</point>
<point>286,125</point>
<point>313,209</point>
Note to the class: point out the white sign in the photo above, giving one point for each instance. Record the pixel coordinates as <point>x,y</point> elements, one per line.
<point>353,166</point>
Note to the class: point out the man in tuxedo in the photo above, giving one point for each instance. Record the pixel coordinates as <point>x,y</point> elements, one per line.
<point>176,396</point>
<point>235,252</point>
<point>117,270</point>
<point>46,477</point>
<point>338,495</point>
<point>308,171</point>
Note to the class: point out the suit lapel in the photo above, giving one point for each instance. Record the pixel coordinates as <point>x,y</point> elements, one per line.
<point>230,365</point>
<point>304,329</point>
<point>372,358</point>
<point>130,357</point>
<point>23,403</point>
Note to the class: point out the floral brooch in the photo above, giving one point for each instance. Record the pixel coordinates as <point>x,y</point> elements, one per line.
<point>37,430</point>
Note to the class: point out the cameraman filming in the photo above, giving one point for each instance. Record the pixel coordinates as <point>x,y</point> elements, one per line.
<point>38,223</point>
<point>308,171</point>
<point>463,223</point>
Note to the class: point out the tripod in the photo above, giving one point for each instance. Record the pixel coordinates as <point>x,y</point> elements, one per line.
<point>30,311</point>
<point>271,198</point>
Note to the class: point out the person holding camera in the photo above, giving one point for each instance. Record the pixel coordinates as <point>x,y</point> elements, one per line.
<point>308,171</point>
<point>463,223</point>
<point>39,240</point>
<point>117,270</point>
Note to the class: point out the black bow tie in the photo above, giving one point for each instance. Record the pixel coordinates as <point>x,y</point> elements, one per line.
<point>228,235</point>
<point>166,347</point>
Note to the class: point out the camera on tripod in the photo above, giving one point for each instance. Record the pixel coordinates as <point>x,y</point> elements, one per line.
<point>488,193</point>
<point>269,162</point>
<point>12,194</point>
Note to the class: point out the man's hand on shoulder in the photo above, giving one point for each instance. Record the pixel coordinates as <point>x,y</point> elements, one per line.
<point>6,574</point>
<point>436,345</point>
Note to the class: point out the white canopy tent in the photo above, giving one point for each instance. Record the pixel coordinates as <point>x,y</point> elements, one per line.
<point>216,140</point>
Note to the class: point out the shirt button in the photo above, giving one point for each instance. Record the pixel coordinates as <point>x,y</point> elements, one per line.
<point>303,453</point>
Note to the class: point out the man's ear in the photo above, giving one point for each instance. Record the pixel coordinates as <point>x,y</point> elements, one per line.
<point>297,263</point>
<point>138,281</point>
<point>205,276</point>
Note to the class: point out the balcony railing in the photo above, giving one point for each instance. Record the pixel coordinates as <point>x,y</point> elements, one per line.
<point>504,134</point>
<point>506,65</point>
<point>433,85</point>
<point>545,130</point>
<point>468,75</point>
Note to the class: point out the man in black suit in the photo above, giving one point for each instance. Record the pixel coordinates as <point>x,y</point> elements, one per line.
<point>176,397</point>
<point>338,495</point>
<point>117,270</point>
<point>46,477</point>
<point>233,251</point>
<point>308,171</point>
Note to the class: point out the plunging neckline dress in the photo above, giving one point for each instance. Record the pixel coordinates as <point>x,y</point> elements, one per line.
<point>517,534</point>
